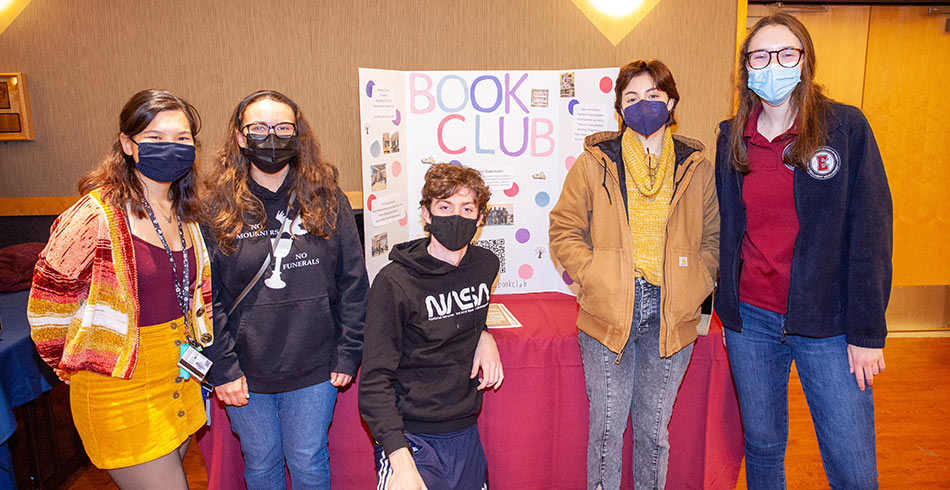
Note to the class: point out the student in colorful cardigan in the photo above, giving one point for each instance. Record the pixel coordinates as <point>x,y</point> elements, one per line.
<point>122,289</point>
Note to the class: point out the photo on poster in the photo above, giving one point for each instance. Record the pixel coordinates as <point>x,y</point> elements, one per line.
<point>380,244</point>
<point>500,215</point>
<point>378,177</point>
<point>567,84</point>
<point>391,142</point>
<point>539,97</point>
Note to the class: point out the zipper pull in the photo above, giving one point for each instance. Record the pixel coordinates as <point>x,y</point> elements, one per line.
<point>619,356</point>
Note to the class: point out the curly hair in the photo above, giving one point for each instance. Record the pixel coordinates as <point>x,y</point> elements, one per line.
<point>230,203</point>
<point>115,174</point>
<point>445,179</point>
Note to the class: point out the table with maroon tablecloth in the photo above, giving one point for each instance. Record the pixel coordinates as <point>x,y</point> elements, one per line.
<point>534,428</point>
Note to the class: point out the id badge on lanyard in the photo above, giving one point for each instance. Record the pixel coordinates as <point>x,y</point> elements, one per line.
<point>192,363</point>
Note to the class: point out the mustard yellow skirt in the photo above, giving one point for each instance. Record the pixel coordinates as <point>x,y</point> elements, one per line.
<point>124,422</point>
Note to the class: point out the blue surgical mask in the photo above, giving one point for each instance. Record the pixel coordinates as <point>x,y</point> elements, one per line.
<point>646,116</point>
<point>165,161</point>
<point>774,83</point>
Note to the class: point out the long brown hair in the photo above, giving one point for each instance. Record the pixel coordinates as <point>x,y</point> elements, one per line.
<point>808,99</point>
<point>115,174</point>
<point>230,201</point>
<point>662,77</point>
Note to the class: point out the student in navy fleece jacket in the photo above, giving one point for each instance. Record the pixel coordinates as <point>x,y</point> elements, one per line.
<point>805,258</point>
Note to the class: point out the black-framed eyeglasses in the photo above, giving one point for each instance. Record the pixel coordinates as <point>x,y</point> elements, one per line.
<point>787,57</point>
<point>259,131</point>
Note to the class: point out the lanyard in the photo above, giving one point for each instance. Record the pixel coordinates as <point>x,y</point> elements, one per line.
<point>181,289</point>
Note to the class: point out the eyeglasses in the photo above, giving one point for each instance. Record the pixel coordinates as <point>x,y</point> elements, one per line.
<point>259,131</point>
<point>787,57</point>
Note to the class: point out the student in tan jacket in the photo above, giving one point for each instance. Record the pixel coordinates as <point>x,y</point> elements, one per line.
<point>637,227</point>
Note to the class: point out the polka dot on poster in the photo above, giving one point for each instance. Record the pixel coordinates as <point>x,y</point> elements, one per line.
<point>374,149</point>
<point>606,84</point>
<point>542,199</point>
<point>404,220</point>
<point>369,202</point>
<point>369,88</point>
<point>398,118</point>
<point>525,271</point>
<point>396,168</point>
<point>455,162</point>
<point>567,278</point>
<point>522,235</point>
<point>570,106</point>
<point>513,190</point>
<point>569,162</point>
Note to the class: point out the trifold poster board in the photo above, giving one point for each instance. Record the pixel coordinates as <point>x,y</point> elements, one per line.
<point>521,129</point>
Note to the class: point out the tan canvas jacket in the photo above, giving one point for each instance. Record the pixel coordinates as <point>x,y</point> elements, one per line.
<point>591,239</point>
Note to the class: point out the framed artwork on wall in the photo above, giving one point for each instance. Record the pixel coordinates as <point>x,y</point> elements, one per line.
<point>15,121</point>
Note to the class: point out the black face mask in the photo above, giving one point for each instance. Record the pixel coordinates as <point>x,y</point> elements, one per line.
<point>453,232</point>
<point>270,155</point>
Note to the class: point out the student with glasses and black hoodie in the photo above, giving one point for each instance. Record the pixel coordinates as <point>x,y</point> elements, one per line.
<point>290,290</point>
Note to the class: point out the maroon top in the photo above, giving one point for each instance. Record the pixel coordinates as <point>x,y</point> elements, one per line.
<point>158,302</point>
<point>772,223</point>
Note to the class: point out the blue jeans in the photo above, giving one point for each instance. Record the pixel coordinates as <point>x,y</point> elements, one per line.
<point>291,426</point>
<point>761,357</point>
<point>643,385</point>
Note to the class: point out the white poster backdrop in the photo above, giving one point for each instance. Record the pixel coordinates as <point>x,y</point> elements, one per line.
<point>522,129</point>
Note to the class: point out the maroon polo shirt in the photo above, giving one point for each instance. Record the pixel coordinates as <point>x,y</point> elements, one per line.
<point>771,221</point>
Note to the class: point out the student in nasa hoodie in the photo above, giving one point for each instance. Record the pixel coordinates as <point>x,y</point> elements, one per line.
<point>426,341</point>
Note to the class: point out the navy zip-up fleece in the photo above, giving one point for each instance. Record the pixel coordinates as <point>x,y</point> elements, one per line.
<point>841,266</point>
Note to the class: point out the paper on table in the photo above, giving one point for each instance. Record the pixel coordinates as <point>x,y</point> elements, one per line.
<point>500,317</point>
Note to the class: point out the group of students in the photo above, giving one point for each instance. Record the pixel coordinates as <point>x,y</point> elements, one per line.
<point>147,280</point>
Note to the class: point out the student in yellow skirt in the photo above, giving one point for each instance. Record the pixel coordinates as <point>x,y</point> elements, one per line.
<point>123,289</point>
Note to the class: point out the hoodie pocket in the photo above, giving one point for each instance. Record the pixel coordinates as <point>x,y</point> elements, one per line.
<point>286,337</point>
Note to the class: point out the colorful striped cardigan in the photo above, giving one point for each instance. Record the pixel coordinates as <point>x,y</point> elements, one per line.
<point>83,308</point>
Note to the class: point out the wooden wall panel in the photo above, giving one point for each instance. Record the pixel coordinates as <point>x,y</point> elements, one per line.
<point>905,99</point>
<point>84,59</point>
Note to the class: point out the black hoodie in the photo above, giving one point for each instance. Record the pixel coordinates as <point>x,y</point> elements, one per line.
<point>300,324</point>
<point>423,323</point>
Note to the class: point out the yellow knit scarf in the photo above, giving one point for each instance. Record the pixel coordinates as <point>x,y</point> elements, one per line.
<point>649,189</point>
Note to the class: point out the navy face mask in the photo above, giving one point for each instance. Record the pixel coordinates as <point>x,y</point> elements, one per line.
<point>453,232</point>
<point>646,116</point>
<point>165,161</point>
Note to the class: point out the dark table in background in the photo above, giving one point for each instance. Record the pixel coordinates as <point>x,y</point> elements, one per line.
<point>534,429</point>
<point>23,375</point>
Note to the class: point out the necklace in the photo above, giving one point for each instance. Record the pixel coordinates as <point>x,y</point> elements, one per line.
<point>167,218</point>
